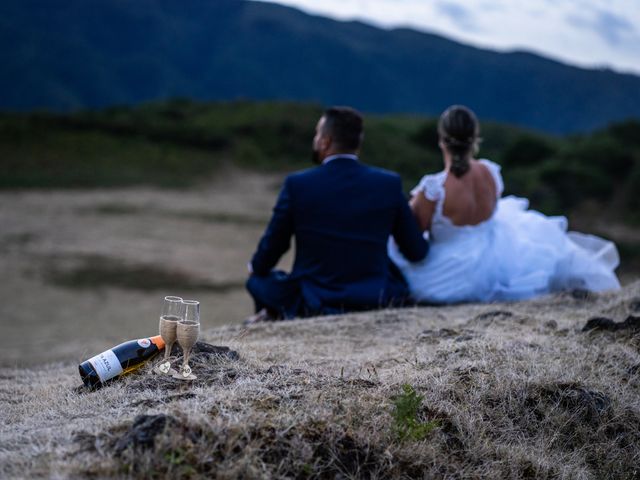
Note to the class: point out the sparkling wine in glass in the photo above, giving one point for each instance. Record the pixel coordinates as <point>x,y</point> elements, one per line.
<point>172,313</point>
<point>187,332</point>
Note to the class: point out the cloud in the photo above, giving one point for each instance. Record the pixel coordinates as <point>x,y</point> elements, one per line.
<point>458,15</point>
<point>490,6</point>
<point>612,28</point>
<point>583,32</point>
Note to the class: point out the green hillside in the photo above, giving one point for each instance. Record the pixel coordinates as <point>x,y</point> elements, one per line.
<point>176,143</point>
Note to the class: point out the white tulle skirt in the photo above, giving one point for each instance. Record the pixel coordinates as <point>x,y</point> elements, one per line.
<point>517,254</point>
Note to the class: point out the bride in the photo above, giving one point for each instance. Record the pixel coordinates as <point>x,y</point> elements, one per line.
<point>487,248</point>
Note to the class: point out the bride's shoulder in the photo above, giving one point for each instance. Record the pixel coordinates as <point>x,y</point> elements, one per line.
<point>431,186</point>
<point>489,164</point>
<point>494,170</point>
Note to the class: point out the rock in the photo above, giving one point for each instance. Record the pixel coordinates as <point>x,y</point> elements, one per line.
<point>600,323</point>
<point>604,323</point>
<point>587,406</point>
<point>494,313</point>
<point>631,323</point>
<point>143,432</point>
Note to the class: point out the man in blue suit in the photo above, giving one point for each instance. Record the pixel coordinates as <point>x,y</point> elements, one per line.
<point>341,214</point>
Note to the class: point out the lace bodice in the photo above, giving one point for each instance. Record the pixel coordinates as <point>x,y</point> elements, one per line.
<point>432,187</point>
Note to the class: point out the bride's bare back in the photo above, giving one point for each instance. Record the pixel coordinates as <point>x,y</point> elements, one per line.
<point>469,199</point>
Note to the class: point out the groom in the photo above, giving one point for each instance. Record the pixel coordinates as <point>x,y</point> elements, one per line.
<point>341,214</point>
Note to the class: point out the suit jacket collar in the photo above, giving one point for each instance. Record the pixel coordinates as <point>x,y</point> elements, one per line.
<point>340,156</point>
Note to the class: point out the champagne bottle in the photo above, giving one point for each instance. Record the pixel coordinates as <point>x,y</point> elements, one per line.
<point>119,360</point>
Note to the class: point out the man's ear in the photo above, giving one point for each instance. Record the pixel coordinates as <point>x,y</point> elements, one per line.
<point>325,142</point>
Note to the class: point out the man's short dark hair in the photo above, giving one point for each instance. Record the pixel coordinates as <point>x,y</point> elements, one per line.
<point>345,126</point>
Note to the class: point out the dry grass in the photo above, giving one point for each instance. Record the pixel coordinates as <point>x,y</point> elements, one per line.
<point>512,390</point>
<point>501,391</point>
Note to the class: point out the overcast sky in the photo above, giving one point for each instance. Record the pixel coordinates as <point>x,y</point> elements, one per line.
<point>592,33</point>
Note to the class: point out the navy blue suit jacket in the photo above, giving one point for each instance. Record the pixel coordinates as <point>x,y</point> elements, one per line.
<point>341,215</point>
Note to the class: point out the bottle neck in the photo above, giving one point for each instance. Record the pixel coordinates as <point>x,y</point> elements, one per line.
<point>158,342</point>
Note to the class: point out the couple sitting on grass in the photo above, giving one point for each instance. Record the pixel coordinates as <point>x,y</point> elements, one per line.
<point>360,245</point>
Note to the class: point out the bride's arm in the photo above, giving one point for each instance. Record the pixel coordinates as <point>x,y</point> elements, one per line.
<point>422,210</point>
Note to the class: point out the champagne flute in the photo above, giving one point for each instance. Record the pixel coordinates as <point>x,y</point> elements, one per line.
<point>187,331</point>
<point>172,313</point>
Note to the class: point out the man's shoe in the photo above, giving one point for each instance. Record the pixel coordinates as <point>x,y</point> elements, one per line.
<point>259,317</point>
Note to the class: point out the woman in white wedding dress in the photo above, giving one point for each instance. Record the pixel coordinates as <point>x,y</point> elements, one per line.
<point>486,248</point>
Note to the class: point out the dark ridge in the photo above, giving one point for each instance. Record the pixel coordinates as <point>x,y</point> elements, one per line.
<point>63,55</point>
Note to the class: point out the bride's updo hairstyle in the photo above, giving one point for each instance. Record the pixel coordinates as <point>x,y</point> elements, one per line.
<point>459,132</point>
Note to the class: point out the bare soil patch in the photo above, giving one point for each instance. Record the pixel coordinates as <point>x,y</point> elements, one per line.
<point>86,269</point>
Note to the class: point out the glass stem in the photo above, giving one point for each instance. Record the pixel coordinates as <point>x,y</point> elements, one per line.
<point>167,350</point>
<point>185,360</point>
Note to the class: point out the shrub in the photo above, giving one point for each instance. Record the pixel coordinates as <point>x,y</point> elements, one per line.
<point>405,416</point>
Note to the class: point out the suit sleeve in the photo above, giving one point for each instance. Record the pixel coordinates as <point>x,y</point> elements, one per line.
<point>407,233</point>
<point>276,239</point>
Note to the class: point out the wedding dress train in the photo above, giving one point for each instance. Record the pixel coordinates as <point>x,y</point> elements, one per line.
<point>516,254</point>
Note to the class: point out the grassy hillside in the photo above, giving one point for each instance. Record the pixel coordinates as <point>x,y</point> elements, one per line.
<point>518,391</point>
<point>175,143</point>
<point>513,390</point>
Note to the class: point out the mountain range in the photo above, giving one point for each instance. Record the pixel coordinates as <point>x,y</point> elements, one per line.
<point>66,55</point>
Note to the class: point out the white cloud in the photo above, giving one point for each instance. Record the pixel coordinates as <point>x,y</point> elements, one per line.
<point>458,14</point>
<point>613,29</point>
<point>583,32</point>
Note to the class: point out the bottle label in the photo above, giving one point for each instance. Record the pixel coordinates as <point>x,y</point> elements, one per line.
<point>106,365</point>
<point>144,342</point>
